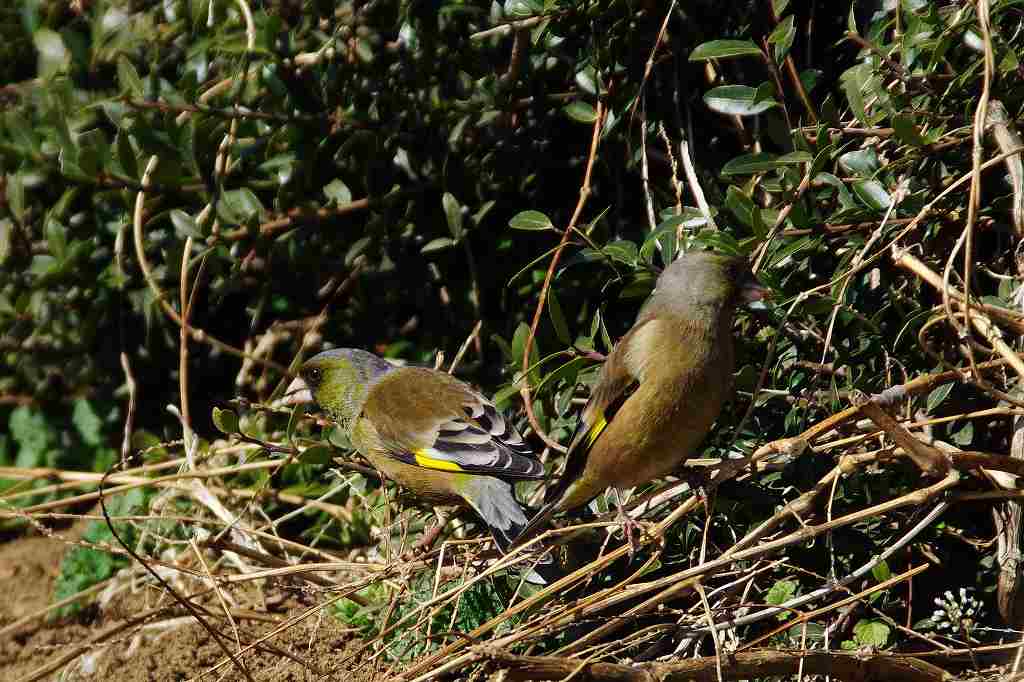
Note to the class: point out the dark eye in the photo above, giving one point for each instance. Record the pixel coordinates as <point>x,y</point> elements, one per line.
<point>313,375</point>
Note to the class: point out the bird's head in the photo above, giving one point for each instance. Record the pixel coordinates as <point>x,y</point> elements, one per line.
<point>704,280</point>
<point>337,380</point>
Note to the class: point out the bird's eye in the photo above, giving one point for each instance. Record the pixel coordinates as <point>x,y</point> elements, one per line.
<point>313,375</point>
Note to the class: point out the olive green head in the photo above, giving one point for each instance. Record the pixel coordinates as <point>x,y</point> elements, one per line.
<point>704,282</point>
<point>338,381</point>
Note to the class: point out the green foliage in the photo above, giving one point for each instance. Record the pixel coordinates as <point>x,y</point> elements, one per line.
<point>871,633</point>
<point>408,170</point>
<point>36,439</point>
<point>476,605</point>
<point>85,566</point>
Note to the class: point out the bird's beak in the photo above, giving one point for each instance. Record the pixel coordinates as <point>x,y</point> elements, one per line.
<point>297,393</point>
<point>752,290</point>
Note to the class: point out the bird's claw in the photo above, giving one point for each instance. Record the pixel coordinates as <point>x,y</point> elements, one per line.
<point>629,528</point>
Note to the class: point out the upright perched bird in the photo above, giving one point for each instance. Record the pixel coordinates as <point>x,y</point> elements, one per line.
<point>662,386</point>
<point>426,430</point>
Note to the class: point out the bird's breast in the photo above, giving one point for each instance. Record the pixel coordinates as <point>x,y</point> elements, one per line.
<point>662,423</point>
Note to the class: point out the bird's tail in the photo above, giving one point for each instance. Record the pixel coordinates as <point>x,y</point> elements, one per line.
<point>535,525</point>
<point>495,503</point>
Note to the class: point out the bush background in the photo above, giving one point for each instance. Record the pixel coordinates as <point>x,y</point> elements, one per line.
<point>387,175</point>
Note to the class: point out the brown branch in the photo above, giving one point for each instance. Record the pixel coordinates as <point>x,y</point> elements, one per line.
<point>158,293</point>
<point>926,457</point>
<point>761,663</point>
<point>528,346</point>
<point>233,112</point>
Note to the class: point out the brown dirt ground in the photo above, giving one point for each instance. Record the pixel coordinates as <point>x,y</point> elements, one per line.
<point>28,567</point>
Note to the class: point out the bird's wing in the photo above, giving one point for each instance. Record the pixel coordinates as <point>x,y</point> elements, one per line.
<point>446,426</point>
<point>618,380</point>
<point>620,376</point>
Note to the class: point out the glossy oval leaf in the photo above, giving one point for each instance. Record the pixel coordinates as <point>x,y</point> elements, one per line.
<point>872,193</point>
<point>580,111</point>
<point>724,49</point>
<point>749,164</point>
<point>530,220</point>
<point>737,100</point>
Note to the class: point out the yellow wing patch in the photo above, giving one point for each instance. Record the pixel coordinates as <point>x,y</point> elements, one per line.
<point>596,430</point>
<point>423,459</point>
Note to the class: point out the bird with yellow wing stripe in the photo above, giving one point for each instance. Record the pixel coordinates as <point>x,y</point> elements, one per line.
<point>662,386</point>
<point>425,430</point>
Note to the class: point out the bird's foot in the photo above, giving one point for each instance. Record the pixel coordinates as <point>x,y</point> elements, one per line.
<point>698,479</point>
<point>629,528</point>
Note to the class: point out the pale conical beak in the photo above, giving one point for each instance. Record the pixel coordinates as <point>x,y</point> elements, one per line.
<point>297,393</point>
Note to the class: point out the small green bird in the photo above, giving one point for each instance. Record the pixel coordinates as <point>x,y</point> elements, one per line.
<point>662,386</point>
<point>425,430</point>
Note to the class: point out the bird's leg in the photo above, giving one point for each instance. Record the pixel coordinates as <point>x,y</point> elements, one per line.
<point>629,525</point>
<point>429,538</point>
<point>697,478</point>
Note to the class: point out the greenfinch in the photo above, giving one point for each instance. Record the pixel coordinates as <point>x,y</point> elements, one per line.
<point>661,387</point>
<point>427,431</point>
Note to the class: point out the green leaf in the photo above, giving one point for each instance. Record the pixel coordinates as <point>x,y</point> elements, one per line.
<point>16,195</point>
<point>87,423</point>
<point>906,130</point>
<point>530,220</point>
<point>519,8</point>
<point>557,318</point>
<point>482,212</point>
<point>871,632</point>
<point>437,244</point>
<point>623,251</point>
<point>453,213</point>
<point>338,192</point>
<point>782,38</point>
<point>863,162</point>
<point>872,193</point>
<point>881,571</point>
<point>364,50</point>
<point>794,158</point>
<point>965,435</point>
<point>587,79</point>
<point>937,396</point>
<point>317,454</point>
<point>781,592</point>
<point>761,162</point>
<point>56,239</point>
<point>239,206</point>
<point>854,81</point>
<point>724,49</point>
<point>33,434</point>
<point>663,237</point>
<point>225,420</point>
<point>128,78</point>
<point>126,155</point>
<point>740,205</point>
<point>518,348</point>
<point>293,421</point>
<point>567,373</point>
<point>357,249</point>
<point>185,225</point>
<point>580,112</point>
<point>53,56</point>
<point>737,100</point>
<point>69,167</point>
<point>337,437</point>
<point>6,229</point>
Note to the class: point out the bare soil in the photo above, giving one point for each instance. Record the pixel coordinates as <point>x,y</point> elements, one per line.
<point>172,647</point>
